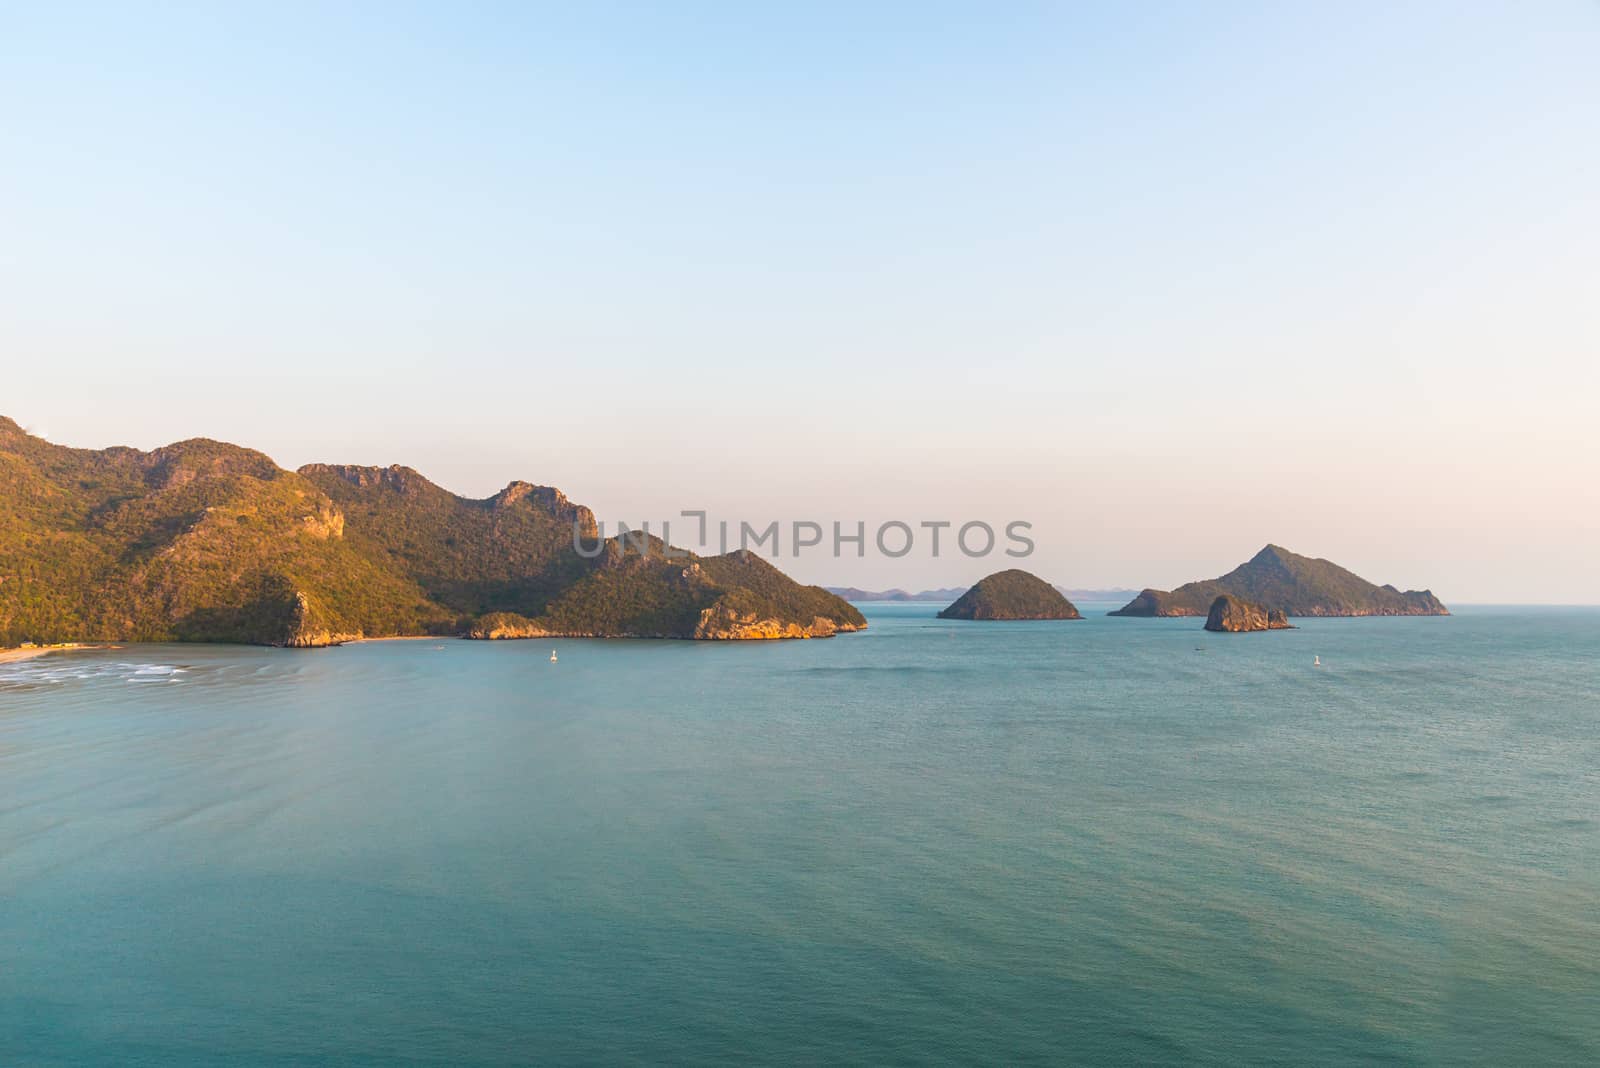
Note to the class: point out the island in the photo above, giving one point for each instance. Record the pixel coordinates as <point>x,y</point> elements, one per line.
<point>855,593</point>
<point>944,596</point>
<point>207,541</point>
<point>1297,585</point>
<point>1233,615</point>
<point>1011,594</point>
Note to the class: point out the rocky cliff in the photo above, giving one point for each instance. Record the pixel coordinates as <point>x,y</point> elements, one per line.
<point>1235,616</point>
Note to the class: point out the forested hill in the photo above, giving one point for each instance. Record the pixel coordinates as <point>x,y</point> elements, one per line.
<point>207,541</point>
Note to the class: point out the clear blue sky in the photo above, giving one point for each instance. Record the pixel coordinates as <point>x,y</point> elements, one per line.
<point>1167,281</point>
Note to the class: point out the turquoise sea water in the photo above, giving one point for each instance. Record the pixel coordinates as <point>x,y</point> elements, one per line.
<point>1107,841</point>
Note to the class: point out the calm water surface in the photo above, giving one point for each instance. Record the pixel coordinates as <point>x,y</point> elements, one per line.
<point>1110,841</point>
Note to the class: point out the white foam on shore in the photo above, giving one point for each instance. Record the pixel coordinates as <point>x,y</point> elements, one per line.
<point>54,672</point>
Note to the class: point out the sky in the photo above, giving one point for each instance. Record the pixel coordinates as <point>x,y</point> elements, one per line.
<point>1166,282</point>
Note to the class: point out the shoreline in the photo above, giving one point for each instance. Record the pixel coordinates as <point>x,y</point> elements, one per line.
<point>12,656</point>
<point>406,638</point>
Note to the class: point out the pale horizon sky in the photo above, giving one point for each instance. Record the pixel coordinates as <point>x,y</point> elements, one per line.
<point>1168,282</point>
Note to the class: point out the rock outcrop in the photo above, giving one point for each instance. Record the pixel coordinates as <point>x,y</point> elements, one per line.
<point>1234,616</point>
<point>505,626</point>
<point>722,622</point>
<point>1011,594</point>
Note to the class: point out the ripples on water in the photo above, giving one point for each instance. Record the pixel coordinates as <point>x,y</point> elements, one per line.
<point>60,668</point>
<point>1117,841</point>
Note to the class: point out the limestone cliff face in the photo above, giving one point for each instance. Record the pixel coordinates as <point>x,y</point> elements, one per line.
<point>326,522</point>
<point>507,626</point>
<point>172,467</point>
<point>549,499</point>
<point>400,479</point>
<point>308,631</point>
<point>1235,616</point>
<point>722,622</point>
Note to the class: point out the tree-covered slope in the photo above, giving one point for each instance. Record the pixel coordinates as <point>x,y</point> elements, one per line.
<point>198,540</point>
<point>1011,594</point>
<point>206,541</point>
<point>509,553</point>
<point>1298,585</point>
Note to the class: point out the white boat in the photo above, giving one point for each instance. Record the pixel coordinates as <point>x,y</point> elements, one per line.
<point>1316,661</point>
<point>552,656</point>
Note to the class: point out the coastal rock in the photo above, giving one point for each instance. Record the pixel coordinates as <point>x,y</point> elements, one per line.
<point>1235,616</point>
<point>1011,594</point>
<point>308,630</point>
<point>504,626</point>
<point>722,622</point>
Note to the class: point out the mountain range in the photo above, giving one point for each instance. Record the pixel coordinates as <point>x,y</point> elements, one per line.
<point>207,541</point>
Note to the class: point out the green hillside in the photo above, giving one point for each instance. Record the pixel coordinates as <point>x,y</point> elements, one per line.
<point>206,541</point>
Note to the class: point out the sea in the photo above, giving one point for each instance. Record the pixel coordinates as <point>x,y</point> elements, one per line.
<point>1108,841</point>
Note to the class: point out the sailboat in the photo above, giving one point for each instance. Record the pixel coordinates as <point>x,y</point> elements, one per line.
<point>552,656</point>
<point>1316,661</point>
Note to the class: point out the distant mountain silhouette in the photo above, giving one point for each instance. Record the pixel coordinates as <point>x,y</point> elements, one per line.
<point>852,593</point>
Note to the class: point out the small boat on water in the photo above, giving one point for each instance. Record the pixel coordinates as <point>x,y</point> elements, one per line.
<point>1316,661</point>
<point>552,656</point>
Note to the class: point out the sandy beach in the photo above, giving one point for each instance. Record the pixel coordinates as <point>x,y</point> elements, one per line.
<point>7,656</point>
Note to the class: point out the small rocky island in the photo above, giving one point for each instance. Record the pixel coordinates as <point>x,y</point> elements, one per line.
<point>1011,594</point>
<point>1233,615</point>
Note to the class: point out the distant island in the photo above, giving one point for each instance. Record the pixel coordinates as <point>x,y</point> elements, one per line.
<point>1011,594</point>
<point>853,593</point>
<point>207,541</point>
<point>1234,616</point>
<point>945,596</point>
<point>1116,593</point>
<point>1297,585</point>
